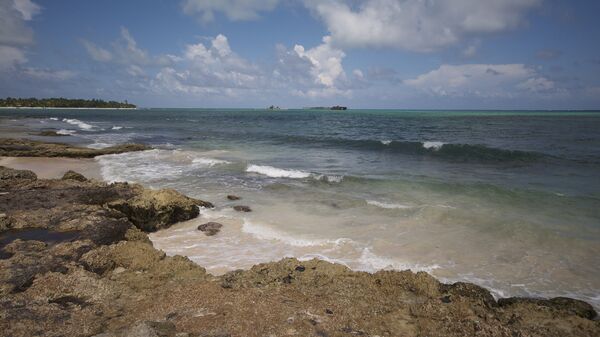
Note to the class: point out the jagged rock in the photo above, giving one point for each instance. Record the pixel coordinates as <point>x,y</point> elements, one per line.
<point>8,173</point>
<point>152,210</point>
<point>29,148</point>
<point>72,175</point>
<point>50,133</point>
<point>210,228</point>
<point>233,197</point>
<point>240,208</point>
<point>562,305</point>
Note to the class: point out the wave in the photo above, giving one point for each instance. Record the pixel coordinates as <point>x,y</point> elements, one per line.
<point>115,127</point>
<point>275,172</point>
<point>80,124</point>
<point>66,132</point>
<point>53,118</point>
<point>387,205</point>
<point>267,233</point>
<point>210,162</point>
<point>435,149</point>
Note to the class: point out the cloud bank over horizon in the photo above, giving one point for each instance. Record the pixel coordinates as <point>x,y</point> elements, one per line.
<point>373,53</point>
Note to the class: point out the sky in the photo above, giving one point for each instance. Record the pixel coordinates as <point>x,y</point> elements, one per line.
<point>404,54</point>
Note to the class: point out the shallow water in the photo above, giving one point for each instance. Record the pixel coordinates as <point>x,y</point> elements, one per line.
<point>508,200</point>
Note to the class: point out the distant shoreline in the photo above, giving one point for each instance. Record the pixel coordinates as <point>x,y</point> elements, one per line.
<point>55,108</point>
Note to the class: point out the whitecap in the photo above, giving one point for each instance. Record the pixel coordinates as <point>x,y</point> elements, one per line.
<point>371,262</point>
<point>387,205</point>
<point>66,132</point>
<point>53,118</point>
<point>268,233</point>
<point>210,162</point>
<point>433,145</point>
<point>80,124</point>
<point>386,142</point>
<point>115,127</point>
<point>275,172</point>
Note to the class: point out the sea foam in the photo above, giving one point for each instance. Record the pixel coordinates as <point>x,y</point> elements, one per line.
<point>433,145</point>
<point>387,205</point>
<point>80,124</point>
<point>275,172</point>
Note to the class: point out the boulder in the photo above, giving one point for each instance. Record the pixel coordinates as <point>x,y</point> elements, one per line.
<point>72,175</point>
<point>152,210</point>
<point>210,228</point>
<point>240,208</point>
<point>8,174</point>
<point>233,197</point>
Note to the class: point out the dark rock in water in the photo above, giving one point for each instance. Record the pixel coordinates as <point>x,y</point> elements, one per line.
<point>72,175</point>
<point>29,148</point>
<point>242,208</point>
<point>152,210</point>
<point>233,197</point>
<point>50,133</point>
<point>563,305</point>
<point>471,291</point>
<point>8,173</point>
<point>210,228</point>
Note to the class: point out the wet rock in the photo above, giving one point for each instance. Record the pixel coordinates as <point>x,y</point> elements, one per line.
<point>106,231</point>
<point>558,304</point>
<point>152,210</point>
<point>472,291</point>
<point>72,175</point>
<point>29,148</point>
<point>8,173</point>
<point>240,208</point>
<point>210,228</point>
<point>50,133</point>
<point>233,197</point>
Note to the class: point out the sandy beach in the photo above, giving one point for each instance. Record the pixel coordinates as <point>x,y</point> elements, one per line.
<point>54,168</point>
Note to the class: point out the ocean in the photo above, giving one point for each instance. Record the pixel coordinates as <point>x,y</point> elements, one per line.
<point>509,200</point>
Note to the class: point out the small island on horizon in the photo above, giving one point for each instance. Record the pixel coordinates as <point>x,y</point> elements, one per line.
<point>61,102</point>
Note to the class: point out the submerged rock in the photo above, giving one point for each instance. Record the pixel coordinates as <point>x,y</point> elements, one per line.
<point>72,175</point>
<point>50,133</point>
<point>210,228</point>
<point>240,208</point>
<point>233,197</point>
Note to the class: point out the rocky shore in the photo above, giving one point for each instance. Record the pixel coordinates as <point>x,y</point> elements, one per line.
<point>29,148</point>
<point>103,277</point>
<point>75,260</point>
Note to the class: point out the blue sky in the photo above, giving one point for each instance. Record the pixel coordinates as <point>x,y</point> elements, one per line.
<point>412,54</point>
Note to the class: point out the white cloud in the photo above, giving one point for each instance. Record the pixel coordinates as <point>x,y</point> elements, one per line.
<point>48,74</point>
<point>15,35</point>
<point>470,51</point>
<point>11,56</point>
<point>483,80</point>
<point>97,53</point>
<point>315,72</point>
<point>417,25</point>
<point>27,8</point>
<point>234,9</point>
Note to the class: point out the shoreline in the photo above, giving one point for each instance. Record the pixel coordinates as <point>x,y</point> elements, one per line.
<point>57,108</point>
<point>180,296</point>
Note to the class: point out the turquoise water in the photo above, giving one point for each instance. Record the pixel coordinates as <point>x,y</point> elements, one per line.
<point>507,199</point>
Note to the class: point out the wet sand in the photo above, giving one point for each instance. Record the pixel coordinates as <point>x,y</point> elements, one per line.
<point>53,168</point>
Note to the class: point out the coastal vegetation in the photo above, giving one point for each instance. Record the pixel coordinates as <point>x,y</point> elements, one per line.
<point>61,102</point>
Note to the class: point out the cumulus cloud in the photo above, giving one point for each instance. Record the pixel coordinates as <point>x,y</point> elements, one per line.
<point>235,10</point>
<point>317,71</point>
<point>15,35</point>
<point>482,80</point>
<point>210,68</point>
<point>417,25</point>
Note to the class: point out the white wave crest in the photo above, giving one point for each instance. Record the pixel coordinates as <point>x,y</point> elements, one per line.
<point>387,205</point>
<point>53,118</point>
<point>371,262</point>
<point>275,172</point>
<point>268,233</point>
<point>210,162</point>
<point>433,145</point>
<point>386,142</point>
<point>115,127</point>
<point>80,124</point>
<point>66,132</point>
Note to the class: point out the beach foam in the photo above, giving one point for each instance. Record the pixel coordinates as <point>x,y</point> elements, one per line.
<point>264,232</point>
<point>66,132</point>
<point>433,145</point>
<point>275,172</point>
<point>210,162</point>
<point>80,124</point>
<point>387,205</point>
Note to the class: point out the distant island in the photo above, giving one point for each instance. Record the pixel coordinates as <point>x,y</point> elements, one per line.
<point>335,107</point>
<point>63,103</point>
